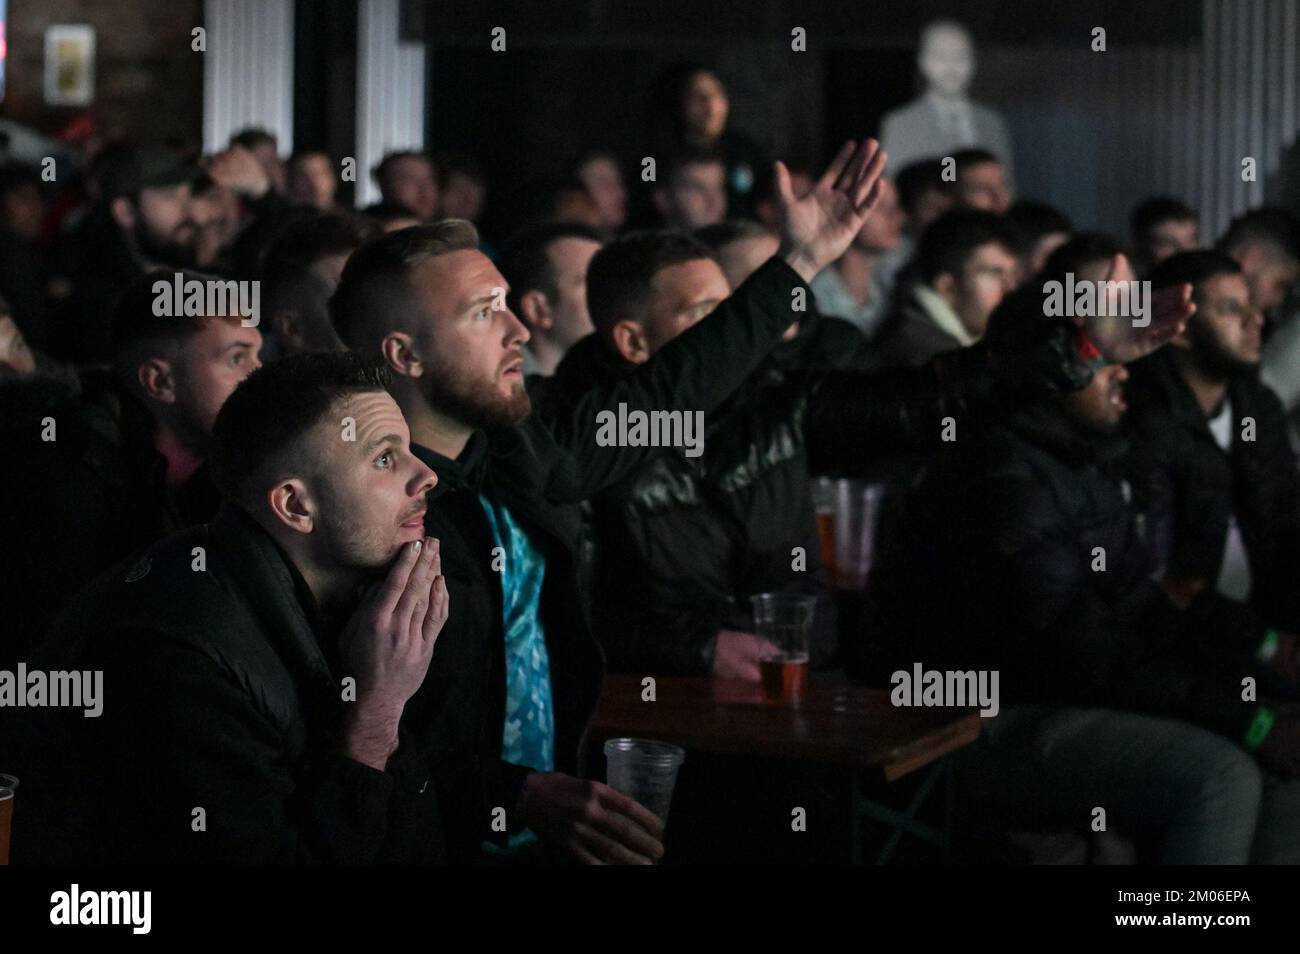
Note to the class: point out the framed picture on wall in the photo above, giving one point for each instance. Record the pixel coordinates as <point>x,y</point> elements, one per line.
<point>69,64</point>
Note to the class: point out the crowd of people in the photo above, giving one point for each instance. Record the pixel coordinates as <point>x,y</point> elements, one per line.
<point>353,568</point>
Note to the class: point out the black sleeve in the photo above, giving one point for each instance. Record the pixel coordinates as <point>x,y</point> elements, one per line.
<point>1096,639</point>
<point>189,737</point>
<point>855,418</point>
<point>696,371</point>
<point>1276,590</point>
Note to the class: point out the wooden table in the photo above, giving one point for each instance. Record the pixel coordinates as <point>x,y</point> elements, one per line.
<point>839,724</point>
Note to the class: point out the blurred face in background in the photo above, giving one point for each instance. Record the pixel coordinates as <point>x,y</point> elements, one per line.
<point>312,181</point>
<point>215,214</point>
<point>268,155</point>
<point>1168,238</point>
<point>463,197</point>
<point>1226,332</point>
<point>604,182</point>
<point>705,108</point>
<point>983,186</point>
<point>988,274</point>
<point>1269,273</point>
<point>884,227</point>
<point>22,210</point>
<point>947,60</point>
<point>410,183</point>
<point>160,221</point>
<point>695,197</point>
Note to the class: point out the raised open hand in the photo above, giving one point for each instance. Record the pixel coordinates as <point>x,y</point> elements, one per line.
<point>816,229</point>
<point>1122,339</point>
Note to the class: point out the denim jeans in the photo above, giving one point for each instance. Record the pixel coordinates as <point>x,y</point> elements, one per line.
<point>1192,792</point>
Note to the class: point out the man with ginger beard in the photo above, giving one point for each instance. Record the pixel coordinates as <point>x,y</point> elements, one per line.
<point>517,673</point>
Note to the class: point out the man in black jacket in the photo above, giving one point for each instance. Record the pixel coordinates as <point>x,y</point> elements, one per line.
<point>518,672</point>
<point>684,541</point>
<point>1217,437</point>
<point>111,460</point>
<point>252,707</point>
<point>1021,554</point>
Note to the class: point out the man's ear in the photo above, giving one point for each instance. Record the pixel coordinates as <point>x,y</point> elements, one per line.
<point>945,285</point>
<point>398,349</point>
<point>156,380</point>
<point>291,505</point>
<point>536,311</point>
<point>123,212</point>
<point>630,341</point>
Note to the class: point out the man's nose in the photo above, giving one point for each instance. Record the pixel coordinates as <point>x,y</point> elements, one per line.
<point>516,330</point>
<point>425,479</point>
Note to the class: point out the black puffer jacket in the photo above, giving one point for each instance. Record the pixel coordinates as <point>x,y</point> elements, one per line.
<point>1256,479</point>
<point>81,501</point>
<point>999,567</point>
<point>684,542</point>
<point>221,691</point>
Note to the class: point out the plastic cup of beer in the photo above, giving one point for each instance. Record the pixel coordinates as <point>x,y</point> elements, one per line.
<point>824,506</point>
<point>857,511</point>
<point>783,619</point>
<point>645,771</point>
<point>8,785</point>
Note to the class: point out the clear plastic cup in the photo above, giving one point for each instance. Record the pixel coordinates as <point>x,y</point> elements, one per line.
<point>784,619</point>
<point>644,770</point>
<point>857,511</point>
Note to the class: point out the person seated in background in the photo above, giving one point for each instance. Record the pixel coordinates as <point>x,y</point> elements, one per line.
<point>462,187</point>
<point>108,463</point>
<point>1160,227</point>
<point>546,266</point>
<point>1217,438</point>
<point>266,149</point>
<point>852,288</point>
<point>964,265</point>
<point>981,181</point>
<point>739,246</point>
<point>313,179</point>
<point>142,221</point>
<point>408,180</point>
<point>683,540</point>
<point>1265,242</point>
<point>600,173</point>
<point>692,190</point>
<point>300,271</point>
<point>1039,230</point>
<point>223,649</point>
<point>1032,535</point>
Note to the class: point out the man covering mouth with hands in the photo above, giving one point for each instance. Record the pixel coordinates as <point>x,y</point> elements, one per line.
<point>253,703</point>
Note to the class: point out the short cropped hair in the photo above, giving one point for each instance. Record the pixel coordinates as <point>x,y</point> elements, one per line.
<point>620,276</point>
<point>1080,251</point>
<point>721,234</point>
<point>526,264</point>
<point>1192,268</point>
<point>137,332</point>
<point>915,179</point>
<point>949,241</point>
<point>258,434</point>
<point>1156,210</point>
<point>1033,221</point>
<point>1275,228</point>
<point>375,280</point>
